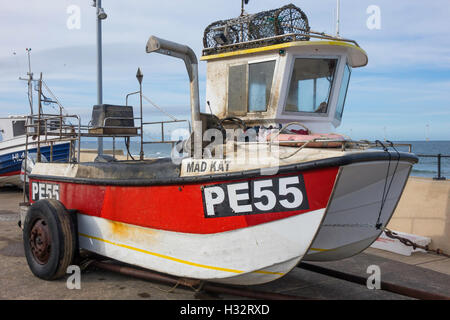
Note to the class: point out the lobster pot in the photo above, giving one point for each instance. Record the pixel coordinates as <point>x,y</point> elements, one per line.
<point>263,28</point>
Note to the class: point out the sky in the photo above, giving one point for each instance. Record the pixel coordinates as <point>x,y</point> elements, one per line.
<point>402,94</point>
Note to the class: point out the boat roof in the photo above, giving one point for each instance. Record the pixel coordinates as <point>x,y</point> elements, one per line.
<point>284,28</point>
<point>357,56</point>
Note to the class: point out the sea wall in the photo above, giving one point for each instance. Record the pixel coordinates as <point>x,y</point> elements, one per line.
<point>424,209</point>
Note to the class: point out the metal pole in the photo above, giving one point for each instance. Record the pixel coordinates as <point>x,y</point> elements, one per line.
<point>39,121</point>
<point>388,286</point>
<point>139,77</point>
<point>30,81</point>
<point>439,177</point>
<point>439,166</point>
<point>141,155</point>
<point>26,160</point>
<point>99,68</point>
<point>191,283</point>
<point>337,18</point>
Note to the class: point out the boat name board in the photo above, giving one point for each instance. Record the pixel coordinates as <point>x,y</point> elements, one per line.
<point>279,194</point>
<point>208,166</point>
<point>44,190</point>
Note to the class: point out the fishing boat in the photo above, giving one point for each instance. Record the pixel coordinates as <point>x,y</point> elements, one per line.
<point>12,150</point>
<point>261,183</point>
<point>13,137</point>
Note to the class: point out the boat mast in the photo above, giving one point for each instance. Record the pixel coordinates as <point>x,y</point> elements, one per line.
<point>29,80</point>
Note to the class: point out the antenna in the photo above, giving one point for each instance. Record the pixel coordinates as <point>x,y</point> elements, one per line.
<point>338,4</point>
<point>244,2</point>
<point>29,80</point>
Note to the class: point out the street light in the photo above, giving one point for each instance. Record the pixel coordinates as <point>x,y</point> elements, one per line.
<point>101,14</point>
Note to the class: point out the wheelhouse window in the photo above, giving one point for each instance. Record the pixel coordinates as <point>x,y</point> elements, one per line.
<point>310,85</point>
<point>249,87</point>
<point>259,85</point>
<point>18,128</point>
<point>343,92</point>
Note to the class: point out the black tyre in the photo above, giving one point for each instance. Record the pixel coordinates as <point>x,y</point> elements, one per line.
<point>49,239</point>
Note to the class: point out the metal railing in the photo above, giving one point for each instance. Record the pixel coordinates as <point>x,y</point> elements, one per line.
<point>162,123</point>
<point>42,128</point>
<point>439,163</point>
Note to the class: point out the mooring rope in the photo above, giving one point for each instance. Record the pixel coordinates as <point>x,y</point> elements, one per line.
<point>386,191</point>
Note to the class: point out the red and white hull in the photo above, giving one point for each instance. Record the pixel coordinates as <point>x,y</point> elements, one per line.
<point>242,256</point>
<point>237,228</point>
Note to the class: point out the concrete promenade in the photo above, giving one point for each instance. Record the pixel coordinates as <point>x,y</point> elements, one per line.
<point>424,209</point>
<point>422,271</point>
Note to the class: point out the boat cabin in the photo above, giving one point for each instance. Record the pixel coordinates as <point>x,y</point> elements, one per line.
<point>271,68</point>
<point>304,81</point>
<point>12,127</point>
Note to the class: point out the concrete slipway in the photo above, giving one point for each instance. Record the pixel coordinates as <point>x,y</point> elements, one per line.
<point>422,271</point>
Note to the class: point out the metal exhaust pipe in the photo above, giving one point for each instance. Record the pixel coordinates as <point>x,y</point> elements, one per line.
<point>185,53</point>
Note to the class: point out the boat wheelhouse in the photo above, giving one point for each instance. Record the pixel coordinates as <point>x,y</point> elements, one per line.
<point>304,81</point>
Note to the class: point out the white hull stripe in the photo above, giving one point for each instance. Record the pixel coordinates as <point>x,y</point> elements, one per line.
<point>175,259</point>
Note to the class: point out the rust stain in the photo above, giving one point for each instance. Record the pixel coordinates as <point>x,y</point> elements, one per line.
<point>119,229</point>
<point>129,233</point>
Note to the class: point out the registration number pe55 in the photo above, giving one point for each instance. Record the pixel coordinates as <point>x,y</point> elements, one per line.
<point>279,194</point>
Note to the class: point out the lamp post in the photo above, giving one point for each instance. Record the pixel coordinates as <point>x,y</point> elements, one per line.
<point>101,15</point>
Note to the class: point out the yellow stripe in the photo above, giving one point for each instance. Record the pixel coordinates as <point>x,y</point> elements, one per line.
<point>268,272</point>
<point>173,259</point>
<point>321,250</point>
<point>281,46</point>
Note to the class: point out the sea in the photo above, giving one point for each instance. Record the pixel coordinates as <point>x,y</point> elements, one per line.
<point>426,167</point>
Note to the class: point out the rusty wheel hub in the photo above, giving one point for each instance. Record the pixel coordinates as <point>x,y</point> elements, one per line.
<point>40,241</point>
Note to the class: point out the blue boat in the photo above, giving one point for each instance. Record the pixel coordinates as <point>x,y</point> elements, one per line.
<point>13,146</point>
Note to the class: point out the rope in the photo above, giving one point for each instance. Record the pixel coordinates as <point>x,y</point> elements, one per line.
<point>127,145</point>
<point>54,97</point>
<point>159,108</point>
<point>299,148</point>
<point>386,191</point>
<point>409,243</point>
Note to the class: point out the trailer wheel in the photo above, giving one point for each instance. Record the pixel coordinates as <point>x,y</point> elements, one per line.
<point>49,239</point>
